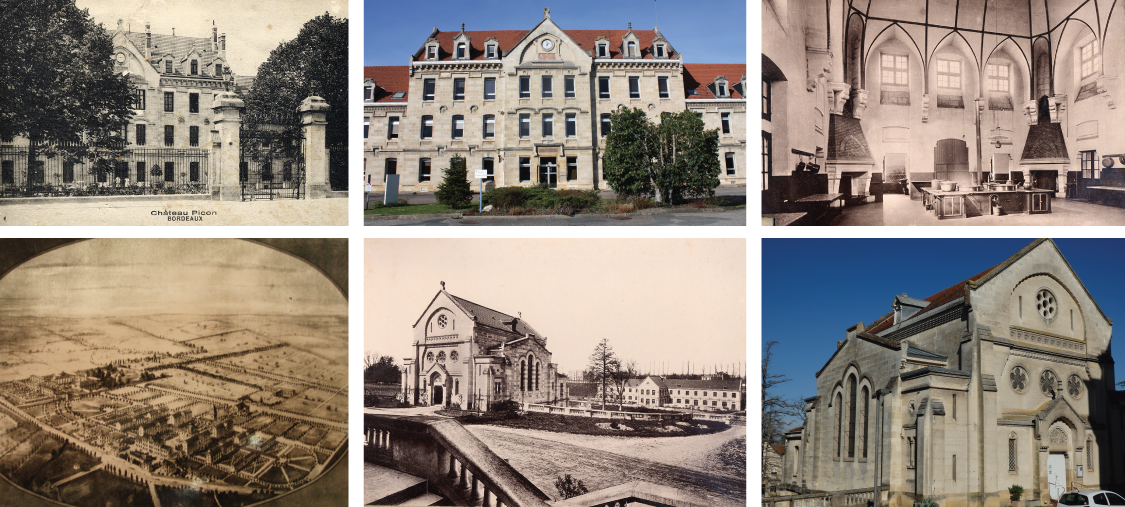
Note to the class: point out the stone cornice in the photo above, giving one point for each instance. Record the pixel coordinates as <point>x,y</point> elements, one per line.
<point>456,65</point>
<point>193,82</point>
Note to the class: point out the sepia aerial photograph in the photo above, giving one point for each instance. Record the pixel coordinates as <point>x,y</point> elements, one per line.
<point>173,112</point>
<point>194,372</point>
<point>608,372</point>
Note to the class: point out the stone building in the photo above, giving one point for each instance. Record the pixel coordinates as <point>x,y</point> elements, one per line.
<point>882,97</point>
<point>1004,378</point>
<point>655,391</point>
<point>533,106</point>
<point>469,355</point>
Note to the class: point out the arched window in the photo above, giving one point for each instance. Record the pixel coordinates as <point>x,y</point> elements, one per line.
<point>461,50</point>
<point>537,373</point>
<point>632,49</point>
<point>1089,452</point>
<point>851,416</point>
<point>1012,452</point>
<point>863,411</point>
<point>838,406</point>
<point>523,375</point>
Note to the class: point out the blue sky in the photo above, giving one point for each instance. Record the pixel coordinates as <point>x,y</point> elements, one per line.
<point>715,33</point>
<point>815,289</point>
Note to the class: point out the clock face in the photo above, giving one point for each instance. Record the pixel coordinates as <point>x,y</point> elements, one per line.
<point>547,44</point>
<point>120,57</point>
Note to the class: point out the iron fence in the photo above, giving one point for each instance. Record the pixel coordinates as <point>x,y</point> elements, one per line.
<point>338,166</point>
<point>135,172</point>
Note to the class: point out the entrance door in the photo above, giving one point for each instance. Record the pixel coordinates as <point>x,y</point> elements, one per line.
<point>1056,475</point>
<point>549,172</point>
<point>438,397</point>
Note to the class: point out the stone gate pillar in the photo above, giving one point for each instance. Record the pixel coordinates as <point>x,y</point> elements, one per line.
<point>313,111</point>
<point>228,144</point>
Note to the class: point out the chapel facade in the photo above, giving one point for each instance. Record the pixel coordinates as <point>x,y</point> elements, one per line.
<point>1005,378</point>
<point>533,106</point>
<point>468,355</point>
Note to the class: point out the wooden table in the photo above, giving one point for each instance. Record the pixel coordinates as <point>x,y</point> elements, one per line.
<point>957,204</point>
<point>818,205</point>
<point>1110,196</point>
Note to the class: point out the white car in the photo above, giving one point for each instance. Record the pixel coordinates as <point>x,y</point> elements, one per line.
<point>1090,498</point>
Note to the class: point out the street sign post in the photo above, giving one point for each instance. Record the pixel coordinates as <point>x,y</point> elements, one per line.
<point>481,174</point>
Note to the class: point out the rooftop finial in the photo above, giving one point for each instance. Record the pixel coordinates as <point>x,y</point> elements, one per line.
<point>630,26</point>
<point>442,285</point>
<point>546,13</point>
<point>462,27</point>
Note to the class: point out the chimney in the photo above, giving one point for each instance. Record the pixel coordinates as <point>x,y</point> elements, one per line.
<point>148,41</point>
<point>223,45</point>
<point>214,37</point>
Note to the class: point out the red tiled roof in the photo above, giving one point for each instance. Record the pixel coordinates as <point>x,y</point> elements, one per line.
<point>388,80</point>
<point>780,449</point>
<point>509,38</point>
<point>506,38</point>
<point>585,40</point>
<point>937,300</point>
<point>701,78</point>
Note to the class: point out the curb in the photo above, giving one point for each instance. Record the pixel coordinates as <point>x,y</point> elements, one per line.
<point>650,211</point>
<point>97,199</point>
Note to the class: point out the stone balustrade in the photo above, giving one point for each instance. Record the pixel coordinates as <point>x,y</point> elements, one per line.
<point>454,461</point>
<point>848,498</point>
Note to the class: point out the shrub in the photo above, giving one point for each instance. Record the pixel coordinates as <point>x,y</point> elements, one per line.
<point>455,190</point>
<point>505,197</point>
<point>569,487</point>
<point>505,406</point>
<point>928,502</point>
<point>1015,491</point>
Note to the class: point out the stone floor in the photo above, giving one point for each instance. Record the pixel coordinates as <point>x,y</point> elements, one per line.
<point>542,460</point>
<point>900,210</point>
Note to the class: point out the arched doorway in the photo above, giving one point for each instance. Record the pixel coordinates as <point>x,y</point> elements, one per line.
<point>437,389</point>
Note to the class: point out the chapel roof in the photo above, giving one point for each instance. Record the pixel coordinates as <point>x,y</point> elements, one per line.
<point>780,449</point>
<point>950,294</point>
<point>486,316</point>
<point>388,80</point>
<point>701,78</point>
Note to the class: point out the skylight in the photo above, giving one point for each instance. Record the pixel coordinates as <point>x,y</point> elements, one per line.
<point>398,95</point>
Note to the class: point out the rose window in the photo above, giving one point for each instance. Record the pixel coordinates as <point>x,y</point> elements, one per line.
<point>441,357</point>
<point>453,356</point>
<point>441,321</point>
<point>1074,386</point>
<point>430,357</point>
<point>1049,383</point>
<point>1019,379</point>
<point>1045,303</point>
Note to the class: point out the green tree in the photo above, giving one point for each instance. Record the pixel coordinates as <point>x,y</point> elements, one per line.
<point>669,161</point>
<point>455,190</point>
<point>603,364</point>
<point>314,63</point>
<point>57,85</point>
<point>380,369</point>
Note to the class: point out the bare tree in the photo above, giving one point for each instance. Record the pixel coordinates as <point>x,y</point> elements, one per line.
<point>622,372</point>
<point>777,410</point>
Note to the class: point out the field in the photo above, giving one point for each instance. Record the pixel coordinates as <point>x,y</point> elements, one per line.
<point>320,404</point>
<point>590,425</point>
<point>104,489</point>
<point>199,384</point>
<point>95,405</point>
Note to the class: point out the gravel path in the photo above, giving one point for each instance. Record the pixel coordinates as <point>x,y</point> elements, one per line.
<point>602,462</point>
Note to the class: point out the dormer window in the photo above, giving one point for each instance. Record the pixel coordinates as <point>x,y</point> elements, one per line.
<point>461,51</point>
<point>660,51</point>
<point>722,91</point>
<point>368,92</point>
<point>603,50</point>
<point>194,67</point>
<point>218,70</point>
<point>631,49</point>
<point>167,66</point>
<point>431,52</point>
<point>490,51</point>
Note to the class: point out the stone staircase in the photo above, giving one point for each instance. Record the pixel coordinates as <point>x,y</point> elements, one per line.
<point>384,486</point>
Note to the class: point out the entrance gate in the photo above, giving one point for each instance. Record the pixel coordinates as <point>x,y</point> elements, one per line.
<point>549,172</point>
<point>272,163</point>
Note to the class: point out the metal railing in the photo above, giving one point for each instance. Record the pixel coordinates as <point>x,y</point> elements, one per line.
<point>138,171</point>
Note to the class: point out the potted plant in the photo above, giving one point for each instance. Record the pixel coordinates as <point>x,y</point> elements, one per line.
<point>1016,491</point>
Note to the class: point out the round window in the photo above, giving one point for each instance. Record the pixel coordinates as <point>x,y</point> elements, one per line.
<point>441,321</point>
<point>1049,383</point>
<point>1074,386</point>
<point>441,357</point>
<point>453,356</point>
<point>1018,376</point>
<point>1045,303</point>
<point>430,357</point>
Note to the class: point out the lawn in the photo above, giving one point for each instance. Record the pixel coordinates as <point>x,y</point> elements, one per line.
<point>417,209</point>
<point>589,425</point>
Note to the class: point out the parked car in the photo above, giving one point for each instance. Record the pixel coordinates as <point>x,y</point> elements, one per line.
<point>1090,498</point>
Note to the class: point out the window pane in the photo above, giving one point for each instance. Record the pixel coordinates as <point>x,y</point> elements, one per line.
<point>428,89</point>
<point>490,88</point>
<point>489,126</point>
<point>424,169</point>
<point>548,125</point>
<point>547,88</point>
<point>603,87</point>
<point>525,125</point>
<point>458,89</point>
<point>568,83</point>
<point>525,86</point>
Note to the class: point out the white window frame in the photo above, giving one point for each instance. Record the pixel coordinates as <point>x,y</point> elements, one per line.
<point>569,89</point>
<point>432,52</point>
<point>660,53</point>
<point>453,130</point>
<point>548,84</point>
<point>459,95</point>
<point>392,127</point>
<point>548,125</point>
<point>725,121</point>
<point>631,49</point>
<point>896,71</point>
<point>489,125</point>
<point>490,51</point>
<point>1091,60</point>
<point>945,76</point>
<point>634,87</point>
<point>525,121</point>
<point>662,87</point>
<point>486,81</point>
<point>428,96</point>
<point>462,51</point>
<point>525,92</point>
<point>603,50</point>
<point>427,121</point>
<point>994,78</point>
<point>571,120</point>
<point>604,94</point>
